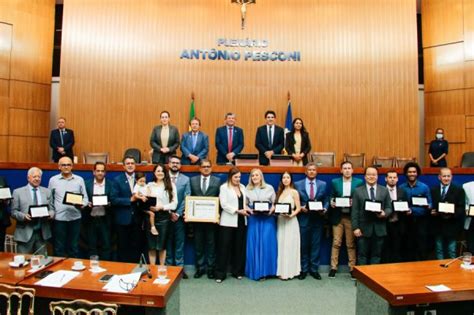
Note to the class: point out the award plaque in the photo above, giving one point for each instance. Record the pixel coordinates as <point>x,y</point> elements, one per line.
<point>343,202</point>
<point>261,206</point>
<point>373,206</point>
<point>73,199</point>
<point>400,206</point>
<point>5,193</point>
<point>100,200</point>
<point>470,211</point>
<point>39,211</point>
<point>446,207</point>
<point>315,206</point>
<point>201,209</point>
<point>283,208</point>
<point>419,201</point>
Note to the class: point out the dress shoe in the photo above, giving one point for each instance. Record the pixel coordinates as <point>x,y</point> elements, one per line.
<point>315,275</point>
<point>185,276</point>
<point>198,274</point>
<point>302,275</point>
<point>218,280</point>
<point>210,275</point>
<point>332,273</point>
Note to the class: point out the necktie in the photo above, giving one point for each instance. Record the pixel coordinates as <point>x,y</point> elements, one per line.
<point>372,193</point>
<point>35,196</point>
<point>270,136</point>
<point>204,185</point>
<point>194,140</point>
<point>443,192</point>
<point>62,137</point>
<point>311,190</point>
<point>229,140</point>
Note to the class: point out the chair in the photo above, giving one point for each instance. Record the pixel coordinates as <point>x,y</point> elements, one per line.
<point>323,159</point>
<point>135,153</point>
<point>357,159</point>
<point>10,244</point>
<point>17,300</point>
<point>401,162</point>
<point>383,161</point>
<point>91,158</point>
<point>82,307</point>
<point>467,159</point>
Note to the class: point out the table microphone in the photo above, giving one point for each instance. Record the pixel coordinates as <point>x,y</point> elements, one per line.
<point>46,260</point>
<point>446,265</point>
<point>142,267</point>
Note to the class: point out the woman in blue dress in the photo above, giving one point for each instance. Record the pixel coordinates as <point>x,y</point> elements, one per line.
<point>261,234</point>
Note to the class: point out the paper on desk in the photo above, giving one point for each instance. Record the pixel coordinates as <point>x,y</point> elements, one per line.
<point>161,281</point>
<point>438,288</point>
<point>122,283</point>
<point>97,270</point>
<point>58,279</point>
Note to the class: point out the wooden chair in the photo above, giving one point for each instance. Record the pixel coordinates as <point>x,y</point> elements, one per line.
<point>383,161</point>
<point>10,244</point>
<point>82,307</point>
<point>401,162</point>
<point>357,159</point>
<point>17,300</point>
<point>323,159</point>
<point>91,158</point>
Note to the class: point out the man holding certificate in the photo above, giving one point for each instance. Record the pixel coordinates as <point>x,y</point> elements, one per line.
<point>371,205</point>
<point>32,211</point>
<point>69,197</point>
<point>447,214</point>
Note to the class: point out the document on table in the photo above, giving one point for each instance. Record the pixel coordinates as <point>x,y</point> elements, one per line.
<point>58,279</point>
<point>438,288</point>
<point>123,283</point>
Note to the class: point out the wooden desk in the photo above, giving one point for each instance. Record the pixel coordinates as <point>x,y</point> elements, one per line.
<point>388,286</point>
<point>156,298</point>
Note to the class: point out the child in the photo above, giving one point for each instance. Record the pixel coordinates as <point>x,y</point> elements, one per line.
<point>141,191</point>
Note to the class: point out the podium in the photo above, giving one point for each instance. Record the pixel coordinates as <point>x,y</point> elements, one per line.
<point>246,160</point>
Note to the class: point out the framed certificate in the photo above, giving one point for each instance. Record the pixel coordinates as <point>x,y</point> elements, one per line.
<point>283,208</point>
<point>373,206</point>
<point>5,193</point>
<point>470,211</point>
<point>73,199</point>
<point>100,200</point>
<point>446,207</point>
<point>261,206</point>
<point>400,206</point>
<point>315,206</point>
<point>419,201</point>
<point>39,211</point>
<point>201,209</point>
<point>343,202</point>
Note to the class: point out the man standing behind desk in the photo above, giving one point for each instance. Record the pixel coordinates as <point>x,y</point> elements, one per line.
<point>67,225</point>
<point>195,144</point>
<point>270,139</point>
<point>164,140</point>
<point>61,141</point>
<point>229,140</point>
<point>31,234</point>
<point>205,233</point>
<point>96,219</point>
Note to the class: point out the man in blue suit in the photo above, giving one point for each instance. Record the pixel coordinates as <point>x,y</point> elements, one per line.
<point>176,233</point>
<point>194,144</point>
<point>311,221</point>
<point>270,139</point>
<point>61,141</point>
<point>229,140</point>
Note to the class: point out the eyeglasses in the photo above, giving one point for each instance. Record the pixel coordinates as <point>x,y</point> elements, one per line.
<point>65,165</point>
<point>205,166</point>
<point>127,286</point>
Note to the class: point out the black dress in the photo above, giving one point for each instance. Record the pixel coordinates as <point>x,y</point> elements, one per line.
<point>437,148</point>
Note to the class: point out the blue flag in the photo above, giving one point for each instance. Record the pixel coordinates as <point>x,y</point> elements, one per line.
<point>289,118</point>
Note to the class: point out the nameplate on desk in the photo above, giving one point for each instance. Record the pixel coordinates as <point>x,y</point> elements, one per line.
<point>261,206</point>
<point>400,206</point>
<point>283,208</point>
<point>343,202</point>
<point>315,206</point>
<point>39,211</point>
<point>373,206</point>
<point>201,209</point>
<point>73,199</point>
<point>470,211</point>
<point>5,193</point>
<point>100,200</point>
<point>446,207</point>
<point>419,201</point>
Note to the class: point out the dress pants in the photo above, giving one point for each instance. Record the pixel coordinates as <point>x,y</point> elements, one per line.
<point>35,242</point>
<point>98,236</point>
<point>344,228</point>
<point>393,247</point>
<point>369,250</point>
<point>205,246</point>
<point>417,238</point>
<point>445,247</point>
<point>130,242</point>
<point>175,243</point>
<point>231,245</point>
<point>66,238</point>
<point>3,230</point>
<point>311,243</point>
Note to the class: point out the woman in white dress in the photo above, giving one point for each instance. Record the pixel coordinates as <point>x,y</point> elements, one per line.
<point>288,234</point>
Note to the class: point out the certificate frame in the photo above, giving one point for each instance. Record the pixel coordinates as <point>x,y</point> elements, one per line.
<point>257,205</point>
<point>201,209</point>
<point>38,211</point>
<point>368,204</point>
<point>283,208</point>
<point>72,199</point>
<point>98,200</point>
<point>470,211</point>
<point>342,202</point>
<point>315,205</point>
<point>419,201</point>
<point>5,193</point>
<point>399,206</point>
<point>446,207</point>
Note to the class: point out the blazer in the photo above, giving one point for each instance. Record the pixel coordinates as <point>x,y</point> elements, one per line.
<point>122,206</point>
<point>321,195</point>
<point>337,190</point>
<point>201,149</point>
<point>184,189</point>
<point>230,204</point>
<point>222,141</point>
<point>305,145</point>
<point>262,145</point>
<point>55,143</point>
<point>155,143</point>
<point>89,183</point>
<point>21,203</point>
<point>367,221</point>
<point>448,225</point>
<point>4,210</point>
<point>212,188</point>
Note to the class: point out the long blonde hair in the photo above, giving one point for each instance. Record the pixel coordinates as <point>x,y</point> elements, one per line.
<point>251,185</point>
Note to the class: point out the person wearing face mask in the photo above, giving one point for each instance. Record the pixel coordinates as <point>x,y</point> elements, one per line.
<point>438,150</point>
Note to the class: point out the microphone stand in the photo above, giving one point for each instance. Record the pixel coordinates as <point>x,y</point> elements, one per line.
<point>446,265</point>
<point>46,260</point>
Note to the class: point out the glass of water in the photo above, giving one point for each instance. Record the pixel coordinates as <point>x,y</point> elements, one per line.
<point>94,262</point>
<point>162,272</point>
<point>466,258</point>
<point>35,261</point>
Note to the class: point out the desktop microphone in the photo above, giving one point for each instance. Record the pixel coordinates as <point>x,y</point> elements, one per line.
<point>46,260</point>
<point>446,265</point>
<point>140,268</point>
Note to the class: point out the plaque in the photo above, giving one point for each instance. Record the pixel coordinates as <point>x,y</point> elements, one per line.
<point>419,201</point>
<point>283,208</point>
<point>446,207</point>
<point>73,199</point>
<point>373,206</point>
<point>315,206</point>
<point>201,209</point>
<point>5,193</point>
<point>400,206</point>
<point>343,202</point>
<point>100,200</point>
<point>261,206</point>
<point>40,211</point>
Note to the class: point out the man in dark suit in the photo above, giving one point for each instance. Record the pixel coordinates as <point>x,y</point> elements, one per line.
<point>127,220</point>
<point>270,139</point>
<point>229,140</point>
<point>311,222</point>
<point>164,140</point>
<point>4,215</point>
<point>340,217</point>
<point>194,144</point>
<point>96,220</point>
<point>447,226</point>
<point>370,227</point>
<point>61,141</point>
<point>205,233</point>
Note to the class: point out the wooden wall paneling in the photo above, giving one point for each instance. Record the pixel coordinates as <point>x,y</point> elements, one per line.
<point>469,101</point>
<point>469,123</point>
<point>4,151</point>
<point>28,149</point>
<point>28,123</point>
<point>28,95</point>
<point>468,10</point>
<point>444,103</point>
<point>5,49</point>
<point>454,126</point>
<point>443,67</point>
<point>442,21</point>
<point>4,104</point>
<point>469,74</point>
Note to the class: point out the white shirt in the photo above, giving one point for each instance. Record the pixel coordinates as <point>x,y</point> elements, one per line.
<point>393,192</point>
<point>346,188</point>
<point>98,189</point>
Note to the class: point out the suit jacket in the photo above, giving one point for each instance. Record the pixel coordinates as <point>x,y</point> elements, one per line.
<point>305,145</point>
<point>337,190</point>
<point>184,189</point>
<point>86,212</point>
<point>155,143</point>
<point>55,143</point>
<point>367,221</point>
<point>212,188</point>
<point>321,195</point>
<point>22,200</point>
<point>201,149</point>
<point>4,210</point>
<point>262,145</point>
<point>222,141</point>
<point>230,204</point>
<point>123,208</point>
<point>448,225</point>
